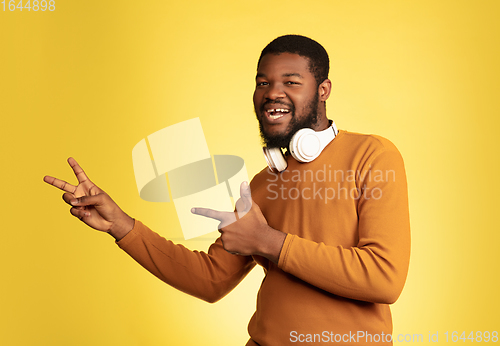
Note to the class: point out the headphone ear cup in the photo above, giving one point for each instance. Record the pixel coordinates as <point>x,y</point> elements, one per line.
<point>275,159</point>
<point>305,145</point>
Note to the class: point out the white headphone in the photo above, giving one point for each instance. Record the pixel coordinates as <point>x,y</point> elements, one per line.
<point>305,146</point>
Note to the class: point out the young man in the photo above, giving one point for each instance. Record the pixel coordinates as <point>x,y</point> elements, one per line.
<point>332,234</point>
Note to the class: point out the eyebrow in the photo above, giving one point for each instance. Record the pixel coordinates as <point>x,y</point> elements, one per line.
<point>291,74</point>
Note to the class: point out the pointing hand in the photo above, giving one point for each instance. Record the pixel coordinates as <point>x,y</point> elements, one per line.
<point>246,231</point>
<point>92,205</point>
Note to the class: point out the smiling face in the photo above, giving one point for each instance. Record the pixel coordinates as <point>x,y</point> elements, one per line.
<point>287,98</point>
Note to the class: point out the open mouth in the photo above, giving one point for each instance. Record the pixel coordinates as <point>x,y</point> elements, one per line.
<point>276,113</point>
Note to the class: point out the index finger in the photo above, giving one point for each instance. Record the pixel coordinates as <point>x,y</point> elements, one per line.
<point>60,184</point>
<point>80,174</point>
<point>225,217</point>
<point>213,214</point>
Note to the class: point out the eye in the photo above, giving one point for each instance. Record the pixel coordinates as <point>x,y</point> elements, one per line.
<point>291,83</point>
<point>262,83</point>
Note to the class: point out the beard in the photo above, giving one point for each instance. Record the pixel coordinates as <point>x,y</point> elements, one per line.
<point>282,140</point>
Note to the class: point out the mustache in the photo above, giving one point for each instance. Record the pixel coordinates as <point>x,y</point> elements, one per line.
<point>277,102</point>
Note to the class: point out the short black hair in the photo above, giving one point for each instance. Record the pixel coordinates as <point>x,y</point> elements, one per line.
<point>319,63</point>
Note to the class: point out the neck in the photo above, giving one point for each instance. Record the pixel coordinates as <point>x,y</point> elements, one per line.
<point>323,122</point>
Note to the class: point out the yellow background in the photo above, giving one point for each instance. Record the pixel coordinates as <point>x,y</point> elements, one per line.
<point>93,78</point>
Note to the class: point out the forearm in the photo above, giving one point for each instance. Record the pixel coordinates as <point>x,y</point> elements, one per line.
<point>271,244</point>
<point>122,227</point>
<point>368,273</point>
<point>208,276</point>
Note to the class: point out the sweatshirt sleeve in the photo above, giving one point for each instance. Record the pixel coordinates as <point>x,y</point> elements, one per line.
<point>208,276</point>
<point>375,269</point>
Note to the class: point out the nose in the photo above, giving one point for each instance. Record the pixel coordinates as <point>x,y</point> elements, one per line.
<point>275,91</point>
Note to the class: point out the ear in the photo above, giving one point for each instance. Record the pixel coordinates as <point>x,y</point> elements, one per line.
<point>324,90</point>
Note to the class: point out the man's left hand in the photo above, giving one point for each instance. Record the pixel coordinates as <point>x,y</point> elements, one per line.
<point>246,231</point>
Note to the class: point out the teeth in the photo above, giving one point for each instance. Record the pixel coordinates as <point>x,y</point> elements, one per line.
<point>276,113</point>
<point>278,110</point>
<point>280,113</point>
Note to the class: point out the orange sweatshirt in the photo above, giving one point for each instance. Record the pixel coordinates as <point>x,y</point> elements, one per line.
<point>344,259</point>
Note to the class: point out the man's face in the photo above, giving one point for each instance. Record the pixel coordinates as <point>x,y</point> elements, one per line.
<point>285,98</point>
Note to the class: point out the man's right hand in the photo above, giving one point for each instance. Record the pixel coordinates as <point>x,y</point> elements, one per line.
<point>92,205</point>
